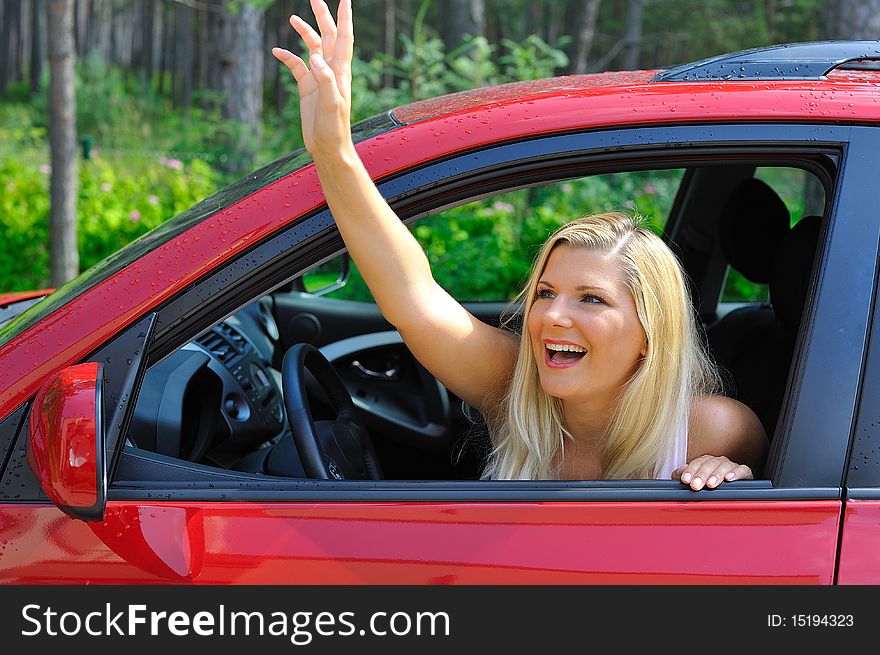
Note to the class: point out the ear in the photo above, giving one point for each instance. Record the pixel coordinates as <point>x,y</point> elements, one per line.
<point>644,350</point>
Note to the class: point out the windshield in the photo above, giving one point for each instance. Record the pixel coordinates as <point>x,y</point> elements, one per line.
<point>179,224</point>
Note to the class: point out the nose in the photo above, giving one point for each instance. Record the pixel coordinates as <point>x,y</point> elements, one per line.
<point>557,314</point>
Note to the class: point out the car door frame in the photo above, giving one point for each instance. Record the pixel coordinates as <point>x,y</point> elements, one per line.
<point>859,561</point>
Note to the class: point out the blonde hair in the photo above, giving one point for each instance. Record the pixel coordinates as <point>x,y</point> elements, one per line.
<point>529,427</point>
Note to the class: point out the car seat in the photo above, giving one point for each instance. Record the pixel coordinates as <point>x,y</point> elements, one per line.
<point>750,345</point>
<point>791,272</point>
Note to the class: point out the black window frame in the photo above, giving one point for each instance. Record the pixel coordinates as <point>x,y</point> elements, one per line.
<point>863,463</point>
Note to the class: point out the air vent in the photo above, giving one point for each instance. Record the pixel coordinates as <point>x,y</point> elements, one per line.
<point>224,342</point>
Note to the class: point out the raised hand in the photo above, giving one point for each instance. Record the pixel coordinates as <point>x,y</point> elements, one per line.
<point>325,84</point>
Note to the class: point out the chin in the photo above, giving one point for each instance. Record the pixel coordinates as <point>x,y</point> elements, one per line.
<point>556,390</point>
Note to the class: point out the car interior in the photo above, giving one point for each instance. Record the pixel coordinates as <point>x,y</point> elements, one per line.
<point>250,397</point>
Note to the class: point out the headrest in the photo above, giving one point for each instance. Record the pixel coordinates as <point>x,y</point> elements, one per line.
<point>792,268</point>
<point>753,222</point>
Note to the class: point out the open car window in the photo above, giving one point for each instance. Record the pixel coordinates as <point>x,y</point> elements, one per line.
<point>216,405</point>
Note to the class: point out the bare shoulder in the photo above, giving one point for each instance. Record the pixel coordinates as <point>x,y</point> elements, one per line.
<point>724,426</point>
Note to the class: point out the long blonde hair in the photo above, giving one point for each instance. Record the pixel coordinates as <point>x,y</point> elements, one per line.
<point>529,427</point>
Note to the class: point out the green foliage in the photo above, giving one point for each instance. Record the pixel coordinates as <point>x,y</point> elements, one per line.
<point>116,204</point>
<point>23,134</point>
<point>739,289</point>
<point>533,59</point>
<point>124,116</point>
<point>484,250</point>
<point>426,70</point>
<point>676,33</point>
<point>24,213</point>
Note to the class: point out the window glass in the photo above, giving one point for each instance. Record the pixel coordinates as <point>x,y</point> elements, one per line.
<point>482,251</point>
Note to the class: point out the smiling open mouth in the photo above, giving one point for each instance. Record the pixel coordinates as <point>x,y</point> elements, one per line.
<point>563,353</point>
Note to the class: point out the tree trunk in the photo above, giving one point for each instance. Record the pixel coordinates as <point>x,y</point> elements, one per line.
<point>389,40</point>
<point>36,67</point>
<point>149,17</point>
<point>167,33</point>
<point>235,73</point>
<point>586,33</point>
<point>62,142</point>
<point>172,57</point>
<point>202,48</point>
<point>186,35</point>
<point>92,30</point>
<point>461,17</point>
<point>6,47</point>
<point>851,19</point>
<point>555,22</point>
<point>111,57</point>
<point>16,52</point>
<point>633,49</point>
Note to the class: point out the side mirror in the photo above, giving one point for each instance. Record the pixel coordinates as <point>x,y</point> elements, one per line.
<point>66,446</point>
<point>329,276</point>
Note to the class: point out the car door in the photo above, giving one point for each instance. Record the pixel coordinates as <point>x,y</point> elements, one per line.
<point>168,521</point>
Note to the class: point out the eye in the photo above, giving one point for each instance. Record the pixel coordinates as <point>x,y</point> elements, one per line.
<point>592,299</point>
<point>544,294</point>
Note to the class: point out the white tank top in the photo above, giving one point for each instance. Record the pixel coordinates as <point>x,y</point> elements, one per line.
<point>677,455</point>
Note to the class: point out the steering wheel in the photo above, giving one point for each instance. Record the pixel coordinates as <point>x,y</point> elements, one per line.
<point>337,449</point>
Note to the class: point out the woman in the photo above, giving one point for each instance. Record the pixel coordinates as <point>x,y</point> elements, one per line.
<point>609,379</point>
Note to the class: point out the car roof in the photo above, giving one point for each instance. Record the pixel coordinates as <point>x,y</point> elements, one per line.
<point>798,66</point>
<point>486,97</point>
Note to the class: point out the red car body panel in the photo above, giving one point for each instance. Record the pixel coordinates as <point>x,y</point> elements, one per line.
<point>17,296</point>
<point>479,118</point>
<point>786,542</point>
<point>859,546</point>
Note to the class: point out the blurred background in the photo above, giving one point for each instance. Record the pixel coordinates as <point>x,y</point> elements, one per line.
<point>116,115</point>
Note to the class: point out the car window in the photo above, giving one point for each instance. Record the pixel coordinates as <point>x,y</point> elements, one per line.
<point>482,251</point>
<point>230,413</point>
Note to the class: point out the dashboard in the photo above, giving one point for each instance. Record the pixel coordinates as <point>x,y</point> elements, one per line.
<point>217,400</point>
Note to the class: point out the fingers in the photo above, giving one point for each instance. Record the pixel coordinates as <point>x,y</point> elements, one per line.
<point>328,92</point>
<point>327,27</point>
<point>344,48</point>
<point>709,471</point>
<point>294,64</point>
<point>309,36</point>
<point>345,33</point>
<point>305,82</point>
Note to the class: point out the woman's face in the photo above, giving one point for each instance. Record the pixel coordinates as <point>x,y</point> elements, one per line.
<point>583,325</point>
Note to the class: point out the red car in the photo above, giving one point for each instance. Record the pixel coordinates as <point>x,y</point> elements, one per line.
<point>168,417</point>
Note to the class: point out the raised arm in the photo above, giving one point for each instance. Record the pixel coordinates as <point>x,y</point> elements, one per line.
<point>468,356</point>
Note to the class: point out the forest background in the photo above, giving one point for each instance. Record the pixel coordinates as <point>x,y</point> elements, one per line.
<point>174,99</point>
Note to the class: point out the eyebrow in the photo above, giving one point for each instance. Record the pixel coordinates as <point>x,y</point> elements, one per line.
<point>582,287</point>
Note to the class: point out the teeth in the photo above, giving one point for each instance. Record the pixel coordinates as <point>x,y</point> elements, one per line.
<point>559,347</point>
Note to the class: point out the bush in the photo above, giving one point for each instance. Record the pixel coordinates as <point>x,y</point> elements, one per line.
<point>24,224</point>
<point>116,205</point>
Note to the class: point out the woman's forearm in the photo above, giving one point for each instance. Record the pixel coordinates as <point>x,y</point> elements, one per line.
<point>389,258</point>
